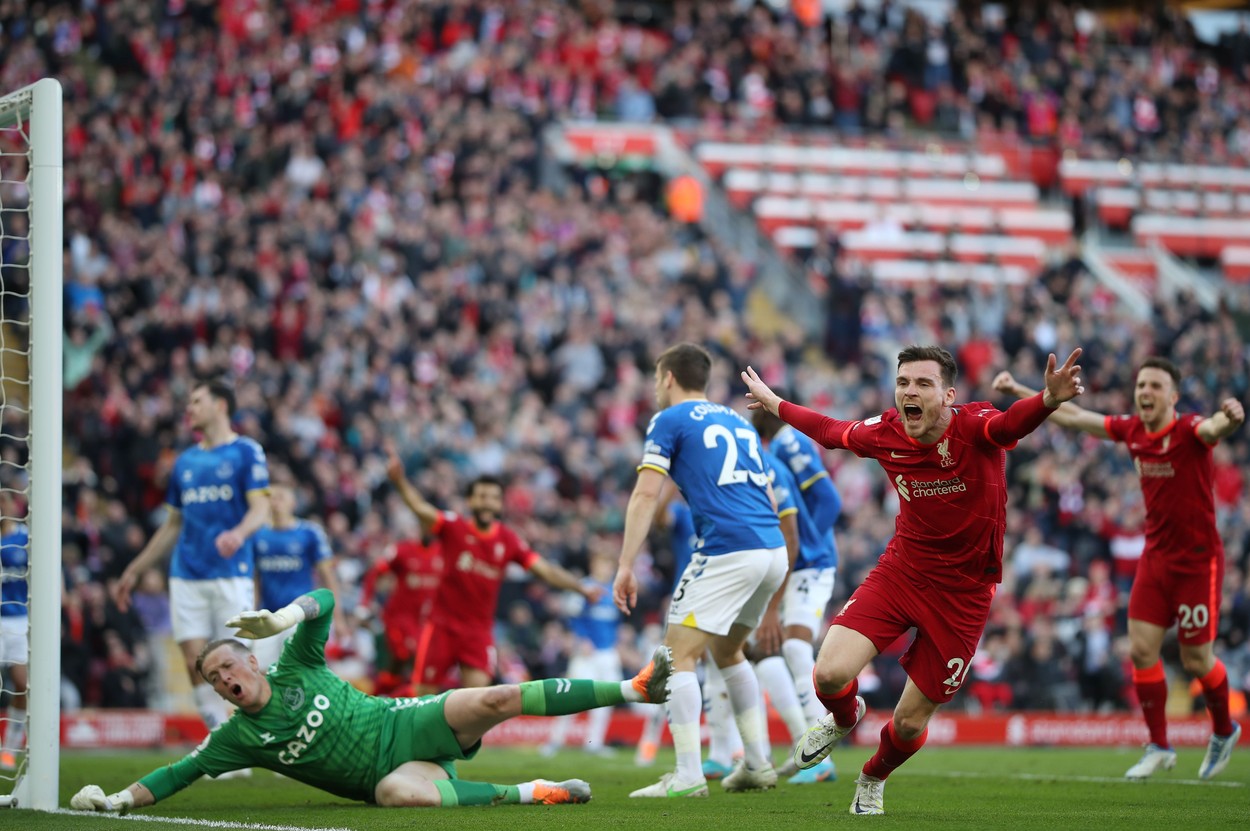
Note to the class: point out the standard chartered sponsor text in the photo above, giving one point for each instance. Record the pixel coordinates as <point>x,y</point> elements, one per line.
<point>936,487</point>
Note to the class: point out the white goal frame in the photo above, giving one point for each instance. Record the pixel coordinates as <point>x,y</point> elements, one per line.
<point>41,104</point>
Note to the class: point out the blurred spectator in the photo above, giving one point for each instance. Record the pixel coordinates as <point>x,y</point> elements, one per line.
<point>344,212</point>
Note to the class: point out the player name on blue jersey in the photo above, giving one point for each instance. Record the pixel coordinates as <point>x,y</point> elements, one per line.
<point>713,456</point>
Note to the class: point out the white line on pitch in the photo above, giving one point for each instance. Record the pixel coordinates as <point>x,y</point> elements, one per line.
<point>1048,777</point>
<point>202,823</point>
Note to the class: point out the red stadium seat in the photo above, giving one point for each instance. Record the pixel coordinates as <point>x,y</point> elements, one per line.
<point>919,271</point>
<point>1050,226</point>
<point>1026,252</point>
<point>1137,266</point>
<point>1191,236</point>
<point>872,245</point>
<point>1235,261</point>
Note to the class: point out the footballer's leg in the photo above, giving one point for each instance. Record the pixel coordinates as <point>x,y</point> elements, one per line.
<point>756,771</point>
<point>1199,661</point>
<point>471,712</point>
<point>427,784</point>
<point>685,705</point>
<point>1150,681</point>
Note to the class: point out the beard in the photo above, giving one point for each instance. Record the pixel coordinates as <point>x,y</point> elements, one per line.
<point>483,518</point>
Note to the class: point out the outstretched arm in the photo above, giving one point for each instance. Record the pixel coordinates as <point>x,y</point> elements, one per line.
<point>426,513</point>
<point>828,432</point>
<point>92,798</point>
<point>1068,415</point>
<point>557,576</point>
<point>1228,419</point>
<point>264,623</point>
<point>1023,417</point>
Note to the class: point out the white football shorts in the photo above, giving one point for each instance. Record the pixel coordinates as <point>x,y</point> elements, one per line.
<point>14,646</point>
<point>716,592</point>
<point>807,596</point>
<point>200,608</point>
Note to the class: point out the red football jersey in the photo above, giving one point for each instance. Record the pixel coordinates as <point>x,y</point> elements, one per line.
<point>952,495</point>
<point>475,564</point>
<point>1177,481</point>
<point>418,570</point>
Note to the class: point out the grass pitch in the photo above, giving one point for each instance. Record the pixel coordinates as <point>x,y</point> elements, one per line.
<point>942,787</point>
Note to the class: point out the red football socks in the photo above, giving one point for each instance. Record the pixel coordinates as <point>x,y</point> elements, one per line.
<point>1215,691</point>
<point>892,751</point>
<point>1152,692</point>
<point>842,703</point>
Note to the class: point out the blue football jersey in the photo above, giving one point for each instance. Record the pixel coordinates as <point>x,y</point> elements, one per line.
<point>713,456</point>
<point>210,487</point>
<point>597,622</point>
<point>800,455</point>
<point>14,572</point>
<point>286,559</point>
<point>785,489</point>
<point>683,536</point>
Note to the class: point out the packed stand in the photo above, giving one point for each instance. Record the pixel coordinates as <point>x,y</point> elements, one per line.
<point>346,218</point>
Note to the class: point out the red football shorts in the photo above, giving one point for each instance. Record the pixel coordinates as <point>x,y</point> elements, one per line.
<point>403,632</point>
<point>948,626</point>
<point>441,649</point>
<point>1164,596</point>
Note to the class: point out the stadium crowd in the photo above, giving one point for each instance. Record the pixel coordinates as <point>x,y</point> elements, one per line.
<point>340,207</point>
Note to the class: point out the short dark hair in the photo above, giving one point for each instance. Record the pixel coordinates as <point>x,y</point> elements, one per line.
<point>1157,362</point>
<point>212,646</point>
<point>484,479</point>
<point>766,423</point>
<point>220,390</point>
<point>950,370</point>
<point>690,364</point>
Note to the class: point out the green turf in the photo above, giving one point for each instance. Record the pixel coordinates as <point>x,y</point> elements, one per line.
<point>940,788</point>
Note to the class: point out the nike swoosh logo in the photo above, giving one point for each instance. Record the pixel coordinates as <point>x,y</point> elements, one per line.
<point>894,455</point>
<point>683,791</point>
<point>804,758</point>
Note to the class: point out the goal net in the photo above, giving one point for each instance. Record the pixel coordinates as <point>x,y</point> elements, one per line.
<point>30,444</point>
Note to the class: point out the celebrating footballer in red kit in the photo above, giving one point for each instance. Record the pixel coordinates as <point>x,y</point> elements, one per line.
<point>1181,574</point>
<point>939,571</point>
<point>476,550</point>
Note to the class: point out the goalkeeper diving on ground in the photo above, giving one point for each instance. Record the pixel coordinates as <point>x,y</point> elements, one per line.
<point>303,721</point>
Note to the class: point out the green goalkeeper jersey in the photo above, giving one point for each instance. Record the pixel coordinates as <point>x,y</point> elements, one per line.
<point>316,729</point>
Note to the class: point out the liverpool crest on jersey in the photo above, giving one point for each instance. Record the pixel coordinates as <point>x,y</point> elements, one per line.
<point>944,450</point>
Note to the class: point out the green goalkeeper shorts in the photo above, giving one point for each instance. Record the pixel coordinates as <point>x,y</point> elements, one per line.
<point>417,731</point>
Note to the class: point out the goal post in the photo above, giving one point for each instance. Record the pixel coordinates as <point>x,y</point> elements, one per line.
<point>31,172</point>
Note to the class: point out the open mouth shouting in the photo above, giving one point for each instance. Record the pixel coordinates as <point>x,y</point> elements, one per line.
<point>912,413</point>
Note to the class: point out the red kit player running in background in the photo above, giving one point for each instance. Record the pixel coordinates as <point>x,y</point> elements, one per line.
<point>940,570</point>
<point>1181,573</point>
<point>415,569</point>
<point>476,552</point>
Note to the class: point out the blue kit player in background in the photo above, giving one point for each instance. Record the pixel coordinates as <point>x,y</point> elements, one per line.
<point>218,497</point>
<point>713,455</point>
<point>14,622</point>
<point>595,656</point>
<point>291,555</point>
<point>810,585</point>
